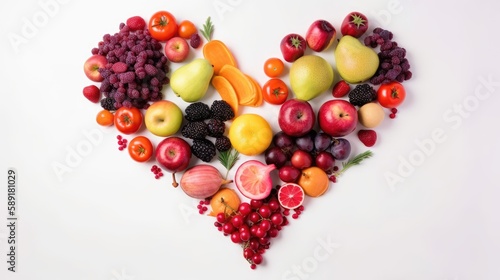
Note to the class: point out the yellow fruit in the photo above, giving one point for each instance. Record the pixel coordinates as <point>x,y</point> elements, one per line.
<point>371,115</point>
<point>310,76</point>
<point>250,134</point>
<point>314,181</point>
<point>355,61</point>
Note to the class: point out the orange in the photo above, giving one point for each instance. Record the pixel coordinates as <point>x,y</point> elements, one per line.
<point>314,181</point>
<point>225,200</point>
<point>105,118</point>
<point>250,134</point>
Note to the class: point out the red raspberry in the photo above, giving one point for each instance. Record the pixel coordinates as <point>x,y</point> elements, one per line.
<point>92,93</point>
<point>341,89</point>
<point>195,40</point>
<point>136,23</point>
<point>368,137</point>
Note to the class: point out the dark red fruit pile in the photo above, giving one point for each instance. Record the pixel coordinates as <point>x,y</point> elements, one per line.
<point>254,224</point>
<point>394,66</point>
<point>136,69</point>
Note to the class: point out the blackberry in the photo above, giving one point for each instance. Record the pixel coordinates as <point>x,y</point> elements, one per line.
<point>197,111</point>
<point>195,130</point>
<point>221,110</point>
<point>216,128</point>
<point>222,143</point>
<point>203,149</point>
<point>108,103</point>
<point>362,94</point>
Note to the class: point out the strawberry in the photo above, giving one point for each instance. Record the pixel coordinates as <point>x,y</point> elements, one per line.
<point>368,137</point>
<point>136,23</point>
<point>92,93</point>
<point>341,89</point>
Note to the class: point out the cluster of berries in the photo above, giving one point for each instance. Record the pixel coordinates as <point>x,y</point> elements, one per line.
<point>207,121</point>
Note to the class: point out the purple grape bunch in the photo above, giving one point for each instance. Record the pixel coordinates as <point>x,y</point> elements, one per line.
<point>136,69</point>
<point>394,66</point>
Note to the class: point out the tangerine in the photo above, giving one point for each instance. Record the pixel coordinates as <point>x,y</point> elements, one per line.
<point>314,181</point>
<point>225,201</point>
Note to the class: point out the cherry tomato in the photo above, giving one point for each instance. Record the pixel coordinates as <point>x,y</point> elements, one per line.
<point>186,29</point>
<point>275,91</point>
<point>105,118</point>
<point>162,26</point>
<point>128,120</point>
<point>140,149</point>
<point>273,67</point>
<point>391,95</point>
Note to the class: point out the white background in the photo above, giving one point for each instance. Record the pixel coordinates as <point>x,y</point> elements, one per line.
<point>110,219</point>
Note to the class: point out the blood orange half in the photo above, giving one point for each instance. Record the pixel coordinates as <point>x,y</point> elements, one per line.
<point>291,195</point>
<point>253,180</point>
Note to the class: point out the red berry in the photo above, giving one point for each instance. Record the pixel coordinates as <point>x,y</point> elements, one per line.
<point>368,137</point>
<point>392,115</point>
<point>341,89</point>
<point>394,110</point>
<point>92,93</point>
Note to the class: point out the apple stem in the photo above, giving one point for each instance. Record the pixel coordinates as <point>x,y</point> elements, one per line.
<point>174,183</point>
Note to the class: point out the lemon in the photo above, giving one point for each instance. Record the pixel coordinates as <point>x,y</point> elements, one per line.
<point>250,134</point>
<point>310,76</point>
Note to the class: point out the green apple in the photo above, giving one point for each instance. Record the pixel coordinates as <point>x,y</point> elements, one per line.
<point>163,118</point>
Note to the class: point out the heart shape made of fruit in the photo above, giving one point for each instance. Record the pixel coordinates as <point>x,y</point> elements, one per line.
<point>133,67</point>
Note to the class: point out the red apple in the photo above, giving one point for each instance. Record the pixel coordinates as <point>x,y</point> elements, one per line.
<point>301,159</point>
<point>320,35</point>
<point>337,117</point>
<point>173,153</point>
<point>296,117</point>
<point>176,49</point>
<point>92,65</point>
<point>292,47</point>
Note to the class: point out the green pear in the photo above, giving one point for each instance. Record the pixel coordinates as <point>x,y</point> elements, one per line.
<point>355,62</point>
<point>310,76</point>
<point>190,81</point>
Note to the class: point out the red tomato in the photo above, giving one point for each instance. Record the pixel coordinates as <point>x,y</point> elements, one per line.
<point>187,29</point>
<point>391,95</point>
<point>273,67</point>
<point>140,149</point>
<point>162,26</point>
<point>275,91</point>
<point>128,120</point>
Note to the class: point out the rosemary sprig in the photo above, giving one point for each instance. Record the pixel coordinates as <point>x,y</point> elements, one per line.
<point>353,161</point>
<point>228,159</point>
<point>208,29</point>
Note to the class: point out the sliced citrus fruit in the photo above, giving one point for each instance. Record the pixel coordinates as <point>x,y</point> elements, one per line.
<point>291,195</point>
<point>253,179</point>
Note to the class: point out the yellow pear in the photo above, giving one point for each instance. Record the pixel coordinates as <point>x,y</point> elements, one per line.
<point>310,76</point>
<point>191,81</point>
<point>355,62</point>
